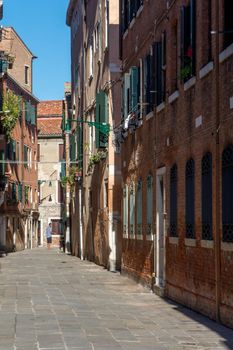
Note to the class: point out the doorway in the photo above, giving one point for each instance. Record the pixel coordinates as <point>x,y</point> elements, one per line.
<point>160,228</point>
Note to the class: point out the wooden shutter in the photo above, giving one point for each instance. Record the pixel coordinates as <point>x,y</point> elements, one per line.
<point>206,197</point>
<point>193,33</point>
<point>20,193</point>
<point>134,88</point>
<point>60,193</point>
<point>159,67</point>
<point>227,194</point>
<point>25,156</point>
<point>190,199</point>
<point>38,152</point>
<point>126,95</point>
<point>97,119</point>
<point>103,138</point>
<point>61,152</point>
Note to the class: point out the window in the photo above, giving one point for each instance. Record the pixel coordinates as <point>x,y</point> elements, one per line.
<point>228,22</point>
<point>26,72</point>
<point>190,199</point>
<point>60,193</point>
<point>134,88</point>
<point>227,194</point>
<point>149,207</point>
<point>20,194</point>
<point>101,117</point>
<point>174,58</point>
<point>91,62</point>
<point>206,197</point>
<point>14,192</point>
<point>61,152</point>
<point>132,210</point>
<point>173,201</point>
<point>129,10</point>
<point>105,193</point>
<point>139,208</point>
<point>26,156</point>
<point>56,226</point>
<point>38,152</point>
<point>126,95</point>
<point>188,41</point>
<point>11,150</point>
<point>125,210</point>
<point>106,11</point>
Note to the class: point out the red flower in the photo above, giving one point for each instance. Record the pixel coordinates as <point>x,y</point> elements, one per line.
<point>189,52</point>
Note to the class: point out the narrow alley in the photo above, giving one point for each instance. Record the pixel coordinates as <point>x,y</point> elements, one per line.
<point>49,300</point>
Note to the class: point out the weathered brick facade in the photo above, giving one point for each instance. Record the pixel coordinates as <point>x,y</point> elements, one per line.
<point>185,124</point>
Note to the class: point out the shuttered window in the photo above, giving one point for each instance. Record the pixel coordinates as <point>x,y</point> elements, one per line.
<point>72,148</point>
<point>173,201</point>
<point>102,118</point>
<point>20,192</point>
<point>188,41</point>
<point>126,95</point>
<point>228,22</point>
<point>227,194</point>
<point>125,210</point>
<point>13,193</point>
<point>11,150</point>
<point>60,193</point>
<point>139,207</point>
<point>190,199</point>
<point>56,226</point>
<point>134,83</point>
<point>149,206</point>
<point>25,156</point>
<point>132,210</point>
<point>206,197</point>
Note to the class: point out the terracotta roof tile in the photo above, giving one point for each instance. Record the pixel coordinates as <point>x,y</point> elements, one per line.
<point>49,126</point>
<point>50,108</point>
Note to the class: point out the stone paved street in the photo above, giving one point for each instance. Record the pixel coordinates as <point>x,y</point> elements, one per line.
<point>49,300</point>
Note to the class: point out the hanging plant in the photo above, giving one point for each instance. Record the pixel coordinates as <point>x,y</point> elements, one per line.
<point>11,110</point>
<point>70,180</point>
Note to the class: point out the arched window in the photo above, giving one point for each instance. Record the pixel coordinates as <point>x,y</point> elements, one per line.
<point>139,207</point>
<point>227,194</point>
<point>173,201</point>
<point>149,205</point>
<point>125,210</point>
<point>190,199</point>
<point>132,210</point>
<point>206,196</point>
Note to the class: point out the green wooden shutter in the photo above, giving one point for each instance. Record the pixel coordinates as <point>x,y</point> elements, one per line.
<point>2,165</point>
<point>134,88</point>
<point>72,148</point>
<point>13,191</point>
<point>25,156</point>
<point>103,138</point>
<point>97,119</point>
<point>14,149</point>
<point>126,94</point>
<point>20,194</point>
<point>33,114</point>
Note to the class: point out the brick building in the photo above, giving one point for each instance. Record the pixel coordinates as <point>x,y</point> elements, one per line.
<point>18,145</point>
<point>51,164</point>
<point>177,150</point>
<point>95,106</point>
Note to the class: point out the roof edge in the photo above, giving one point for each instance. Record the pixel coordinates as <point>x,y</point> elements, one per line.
<point>22,87</point>
<point>69,12</point>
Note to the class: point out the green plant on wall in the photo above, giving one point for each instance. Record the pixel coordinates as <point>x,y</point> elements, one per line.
<point>11,110</point>
<point>70,180</point>
<point>96,158</point>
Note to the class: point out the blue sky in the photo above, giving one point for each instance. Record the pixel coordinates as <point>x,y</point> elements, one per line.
<point>42,26</point>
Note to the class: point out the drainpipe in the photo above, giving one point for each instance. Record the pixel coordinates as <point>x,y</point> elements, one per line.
<point>80,222</point>
<point>217,246</point>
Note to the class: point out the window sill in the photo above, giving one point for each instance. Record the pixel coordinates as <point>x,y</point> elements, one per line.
<point>207,244</point>
<point>173,240</point>
<point>227,246</point>
<point>125,34</point>
<point>160,107</point>
<point>125,236</point>
<point>149,237</point>
<point>190,83</point>
<point>204,71</point>
<point>131,237</point>
<point>149,115</point>
<point>190,242</point>
<point>173,97</point>
<point>226,53</point>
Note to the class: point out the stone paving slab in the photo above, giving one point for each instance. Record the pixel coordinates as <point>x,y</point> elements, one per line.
<point>52,301</point>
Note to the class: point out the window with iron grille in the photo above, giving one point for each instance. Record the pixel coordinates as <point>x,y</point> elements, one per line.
<point>173,201</point>
<point>139,207</point>
<point>206,197</point>
<point>190,199</point>
<point>227,194</point>
<point>188,41</point>
<point>228,22</point>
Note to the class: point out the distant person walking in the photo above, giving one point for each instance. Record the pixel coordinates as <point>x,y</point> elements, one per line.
<point>49,235</point>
